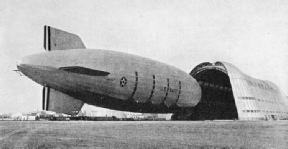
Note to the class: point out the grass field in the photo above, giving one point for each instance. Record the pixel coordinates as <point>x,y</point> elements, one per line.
<point>143,134</point>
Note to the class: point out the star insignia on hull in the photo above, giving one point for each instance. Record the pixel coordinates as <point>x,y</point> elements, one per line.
<point>123,81</point>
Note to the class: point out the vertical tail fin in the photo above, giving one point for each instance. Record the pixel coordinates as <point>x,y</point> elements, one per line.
<point>59,102</point>
<point>55,39</point>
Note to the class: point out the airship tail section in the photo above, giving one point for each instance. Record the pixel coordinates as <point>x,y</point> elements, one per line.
<point>59,102</point>
<point>55,39</point>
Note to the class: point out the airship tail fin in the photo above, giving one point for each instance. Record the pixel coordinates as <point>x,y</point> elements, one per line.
<point>59,102</point>
<point>55,39</point>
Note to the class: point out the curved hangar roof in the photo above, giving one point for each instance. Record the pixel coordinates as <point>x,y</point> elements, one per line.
<point>254,99</point>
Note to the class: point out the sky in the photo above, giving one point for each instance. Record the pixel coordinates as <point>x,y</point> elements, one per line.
<point>250,34</point>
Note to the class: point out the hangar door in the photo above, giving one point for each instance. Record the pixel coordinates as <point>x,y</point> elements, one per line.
<point>217,97</point>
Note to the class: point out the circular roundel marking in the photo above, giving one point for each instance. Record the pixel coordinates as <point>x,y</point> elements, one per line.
<point>123,81</point>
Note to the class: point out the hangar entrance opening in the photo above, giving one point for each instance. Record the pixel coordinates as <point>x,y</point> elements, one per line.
<point>217,97</point>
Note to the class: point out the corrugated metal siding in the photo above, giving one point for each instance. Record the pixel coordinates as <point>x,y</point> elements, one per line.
<point>256,99</point>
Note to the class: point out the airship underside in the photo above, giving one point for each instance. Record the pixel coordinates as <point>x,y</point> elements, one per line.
<point>73,75</point>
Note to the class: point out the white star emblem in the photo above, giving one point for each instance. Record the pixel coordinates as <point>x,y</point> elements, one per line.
<point>123,81</point>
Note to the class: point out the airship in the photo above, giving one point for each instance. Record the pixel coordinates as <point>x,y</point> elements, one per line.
<point>72,75</point>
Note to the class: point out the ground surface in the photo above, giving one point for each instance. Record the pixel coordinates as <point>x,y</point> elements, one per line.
<point>143,134</point>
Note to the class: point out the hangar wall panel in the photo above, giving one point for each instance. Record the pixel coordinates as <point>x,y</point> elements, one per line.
<point>256,99</point>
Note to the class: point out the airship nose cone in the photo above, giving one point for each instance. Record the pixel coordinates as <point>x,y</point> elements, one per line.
<point>39,59</point>
<point>32,63</point>
<point>36,67</point>
<point>25,62</point>
<point>22,63</point>
<point>18,63</point>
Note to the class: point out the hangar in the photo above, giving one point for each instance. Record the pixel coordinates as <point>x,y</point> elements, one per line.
<point>227,93</point>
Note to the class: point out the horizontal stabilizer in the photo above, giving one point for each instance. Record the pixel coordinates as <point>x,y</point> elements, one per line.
<point>55,39</point>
